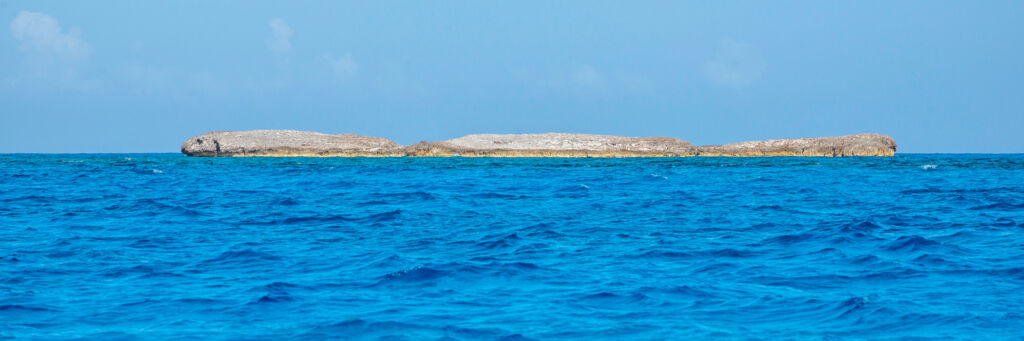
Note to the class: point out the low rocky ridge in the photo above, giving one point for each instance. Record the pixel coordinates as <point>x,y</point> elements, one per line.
<point>850,145</point>
<point>299,143</point>
<point>287,143</point>
<point>553,145</point>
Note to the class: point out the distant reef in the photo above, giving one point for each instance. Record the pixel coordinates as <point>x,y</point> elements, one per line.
<point>302,143</point>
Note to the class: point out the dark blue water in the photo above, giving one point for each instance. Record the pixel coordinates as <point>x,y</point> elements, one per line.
<point>171,247</point>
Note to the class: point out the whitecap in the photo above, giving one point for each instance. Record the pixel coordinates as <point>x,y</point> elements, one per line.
<point>157,171</point>
<point>927,167</point>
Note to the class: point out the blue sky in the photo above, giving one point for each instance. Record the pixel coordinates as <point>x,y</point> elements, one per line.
<point>141,76</point>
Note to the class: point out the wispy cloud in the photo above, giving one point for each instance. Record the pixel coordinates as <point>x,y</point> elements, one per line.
<point>344,66</point>
<point>735,65</point>
<point>280,40</point>
<point>41,33</point>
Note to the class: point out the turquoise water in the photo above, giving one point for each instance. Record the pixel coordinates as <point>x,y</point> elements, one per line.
<point>170,247</point>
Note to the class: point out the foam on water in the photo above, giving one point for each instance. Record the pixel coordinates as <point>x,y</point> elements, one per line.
<point>165,246</point>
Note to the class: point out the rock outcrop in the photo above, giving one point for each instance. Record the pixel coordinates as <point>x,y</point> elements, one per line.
<point>850,145</point>
<point>301,143</point>
<point>287,143</point>
<point>553,145</point>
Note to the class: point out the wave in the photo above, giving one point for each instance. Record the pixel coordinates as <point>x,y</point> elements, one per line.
<point>399,248</point>
<point>911,244</point>
<point>244,257</point>
<point>1000,206</point>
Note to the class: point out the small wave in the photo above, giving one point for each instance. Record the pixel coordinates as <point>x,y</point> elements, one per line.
<point>654,176</point>
<point>245,256</point>
<point>911,243</point>
<point>862,226</point>
<point>612,301</point>
<point>679,291</point>
<point>358,327</point>
<point>788,239</point>
<point>419,196</point>
<point>932,260</point>
<point>929,167</point>
<point>865,259</point>
<point>1000,206</point>
<point>275,293</point>
<point>316,219</point>
<point>289,201</point>
<point>578,191</point>
<point>17,308</point>
<point>1005,222</point>
<point>273,298</point>
<point>661,254</point>
<point>417,274</point>
<point>499,242</point>
<point>854,308</point>
<point>381,217</point>
<point>492,195</point>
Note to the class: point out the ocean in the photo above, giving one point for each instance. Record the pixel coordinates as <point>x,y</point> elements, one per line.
<point>163,246</point>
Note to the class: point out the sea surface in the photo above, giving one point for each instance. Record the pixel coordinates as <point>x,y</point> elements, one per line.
<point>163,246</point>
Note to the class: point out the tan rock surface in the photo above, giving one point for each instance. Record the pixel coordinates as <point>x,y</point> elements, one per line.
<point>553,145</point>
<point>287,143</point>
<point>301,143</point>
<point>850,145</point>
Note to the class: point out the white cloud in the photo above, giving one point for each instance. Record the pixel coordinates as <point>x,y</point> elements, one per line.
<point>280,40</point>
<point>343,66</point>
<point>41,33</point>
<point>735,64</point>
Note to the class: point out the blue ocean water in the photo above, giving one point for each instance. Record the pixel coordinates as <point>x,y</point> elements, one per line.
<point>171,247</point>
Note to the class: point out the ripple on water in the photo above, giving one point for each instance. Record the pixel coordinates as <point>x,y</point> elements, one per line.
<point>466,248</point>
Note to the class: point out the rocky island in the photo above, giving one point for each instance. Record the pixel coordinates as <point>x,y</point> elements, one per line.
<point>287,143</point>
<point>850,145</point>
<point>300,143</point>
<point>553,145</point>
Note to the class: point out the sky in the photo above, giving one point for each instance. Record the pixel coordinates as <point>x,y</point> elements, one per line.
<point>142,76</point>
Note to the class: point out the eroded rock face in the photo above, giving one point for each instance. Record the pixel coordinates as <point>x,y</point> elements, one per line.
<point>850,145</point>
<point>287,143</point>
<point>553,145</point>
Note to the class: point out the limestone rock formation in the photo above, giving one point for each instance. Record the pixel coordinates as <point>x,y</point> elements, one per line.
<point>553,145</point>
<point>287,143</point>
<point>850,145</point>
<point>301,143</point>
